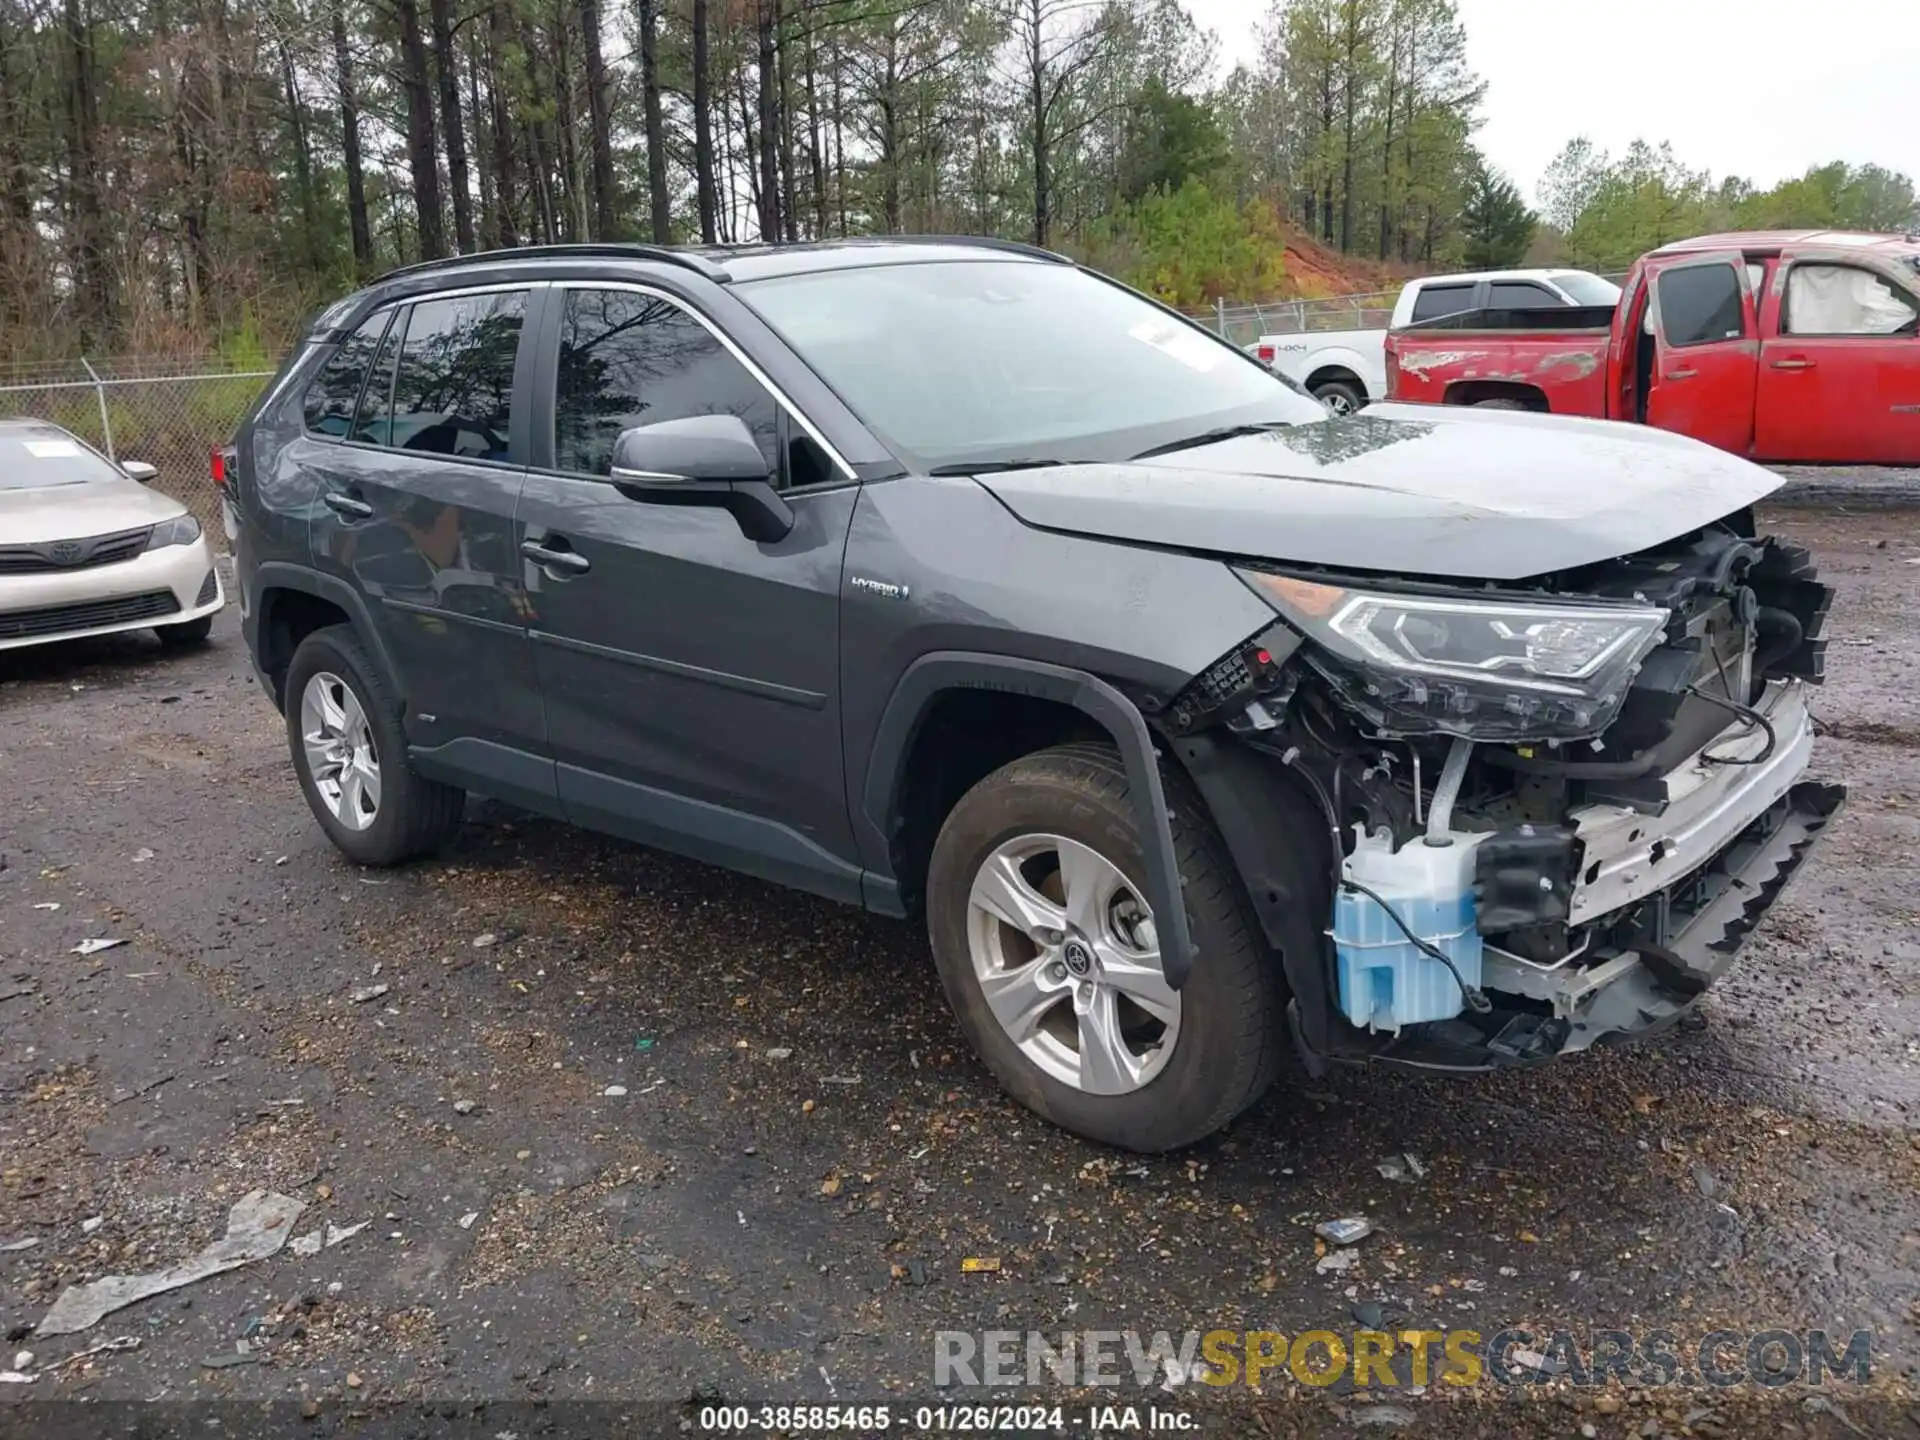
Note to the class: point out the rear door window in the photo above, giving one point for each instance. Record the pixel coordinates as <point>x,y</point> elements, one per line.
<point>1700,304</point>
<point>329,403</point>
<point>1523,295</point>
<point>1434,301</point>
<point>453,391</point>
<point>1844,300</point>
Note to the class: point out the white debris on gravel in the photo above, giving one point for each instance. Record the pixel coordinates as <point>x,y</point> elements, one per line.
<point>257,1226</point>
<point>1350,1230</point>
<point>368,992</point>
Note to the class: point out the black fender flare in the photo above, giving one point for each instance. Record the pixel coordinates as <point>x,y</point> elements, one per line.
<point>284,575</point>
<point>1100,702</point>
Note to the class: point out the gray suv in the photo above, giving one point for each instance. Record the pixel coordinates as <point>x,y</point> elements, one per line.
<point>948,578</point>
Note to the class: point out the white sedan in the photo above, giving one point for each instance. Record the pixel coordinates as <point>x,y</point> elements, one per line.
<point>87,549</point>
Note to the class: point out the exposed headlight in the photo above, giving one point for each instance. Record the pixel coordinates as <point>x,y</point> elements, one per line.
<point>1486,669</point>
<point>181,530</point>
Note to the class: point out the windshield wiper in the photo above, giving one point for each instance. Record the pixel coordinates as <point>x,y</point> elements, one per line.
<point>1209,437</point>
<point>990,467</point>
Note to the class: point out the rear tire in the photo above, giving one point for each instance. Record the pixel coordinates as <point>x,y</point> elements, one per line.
<point>1042,822</point>
<point>343,727</point>
<point>185,635</point>
<point>1501,405</point>
<point>1342,397</point>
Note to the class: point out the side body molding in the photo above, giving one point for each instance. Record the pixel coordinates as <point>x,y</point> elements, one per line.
<point>1093,697</point>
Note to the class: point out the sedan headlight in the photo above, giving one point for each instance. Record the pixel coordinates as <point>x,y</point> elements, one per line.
<point>1485,669</point>
<point>181,530</point>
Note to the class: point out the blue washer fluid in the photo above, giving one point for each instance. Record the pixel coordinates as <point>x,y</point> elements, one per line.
<point>1385,982</point>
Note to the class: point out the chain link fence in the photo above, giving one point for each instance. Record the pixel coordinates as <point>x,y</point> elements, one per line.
<point>1245,323</point>
<point>169,414</point>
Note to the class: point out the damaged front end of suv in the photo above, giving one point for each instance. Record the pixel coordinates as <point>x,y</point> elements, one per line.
<point>1549,809</point>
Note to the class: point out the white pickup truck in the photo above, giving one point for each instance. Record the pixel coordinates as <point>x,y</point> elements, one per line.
<point>1347,369</point>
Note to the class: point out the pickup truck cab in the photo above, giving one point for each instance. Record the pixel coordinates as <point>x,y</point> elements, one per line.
<point>1346,369</point>
<point>1782,347</point>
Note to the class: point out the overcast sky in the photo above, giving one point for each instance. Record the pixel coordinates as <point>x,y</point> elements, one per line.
<point>1743,87</point>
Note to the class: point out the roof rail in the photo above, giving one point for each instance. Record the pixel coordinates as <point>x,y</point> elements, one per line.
<point>607,250</point>
<point>984,242</point>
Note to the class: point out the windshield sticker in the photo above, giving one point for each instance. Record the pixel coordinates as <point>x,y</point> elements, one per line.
<point>52,449</point>
<point>1170,339</point>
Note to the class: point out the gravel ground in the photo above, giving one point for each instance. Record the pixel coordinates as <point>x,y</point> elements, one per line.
<point>625,1128</point>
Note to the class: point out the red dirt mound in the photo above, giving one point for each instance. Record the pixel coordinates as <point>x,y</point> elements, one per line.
<point>1315,270</point>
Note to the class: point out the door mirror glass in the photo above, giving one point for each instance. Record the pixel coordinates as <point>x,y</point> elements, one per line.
<point>700,447</point>
<point>703,460</point>
<point>139,470</point>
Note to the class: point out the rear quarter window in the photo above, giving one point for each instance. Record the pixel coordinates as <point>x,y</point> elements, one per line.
<point>331,396</point>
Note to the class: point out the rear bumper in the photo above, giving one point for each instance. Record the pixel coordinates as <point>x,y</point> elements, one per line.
<point>162,587</point>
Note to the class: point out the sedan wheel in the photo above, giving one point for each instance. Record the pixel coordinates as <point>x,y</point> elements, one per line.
<point>341,755</point>
<point>1065,954</point>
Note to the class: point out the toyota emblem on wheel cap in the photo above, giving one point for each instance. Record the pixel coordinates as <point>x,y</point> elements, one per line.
<point>1079,959</point>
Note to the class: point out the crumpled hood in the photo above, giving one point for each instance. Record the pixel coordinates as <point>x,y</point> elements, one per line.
<point>1418,490</point>
<point>73,512</point>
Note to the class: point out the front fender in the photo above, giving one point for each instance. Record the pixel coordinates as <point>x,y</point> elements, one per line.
<point>940,671</point>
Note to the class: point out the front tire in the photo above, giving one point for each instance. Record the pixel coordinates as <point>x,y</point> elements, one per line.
<point>1047,951</point>
<point>343,727</point>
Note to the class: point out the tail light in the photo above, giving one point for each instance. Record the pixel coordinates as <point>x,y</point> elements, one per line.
<point>1266,353</point>
<point>1393,371</point>
<point>221,464</point>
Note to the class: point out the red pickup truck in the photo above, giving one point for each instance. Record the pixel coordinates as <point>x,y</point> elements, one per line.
<point>1784,347</point>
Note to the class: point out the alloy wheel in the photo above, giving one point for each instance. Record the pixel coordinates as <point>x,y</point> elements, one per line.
<point>1066,956</point>
<point>341,755</point>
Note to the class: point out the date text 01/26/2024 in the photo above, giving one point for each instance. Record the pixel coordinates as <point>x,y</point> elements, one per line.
<point>937,1419</point>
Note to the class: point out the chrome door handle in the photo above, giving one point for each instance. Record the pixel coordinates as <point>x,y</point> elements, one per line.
<point>347,506</point>
<point>1679,374</point>
<point>1793,364</point>
<point>571,561</point>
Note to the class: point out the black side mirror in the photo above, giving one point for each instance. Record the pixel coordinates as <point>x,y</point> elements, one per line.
<point>703,460</point>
